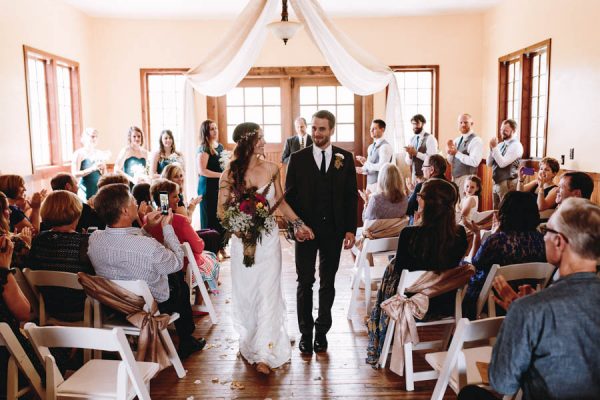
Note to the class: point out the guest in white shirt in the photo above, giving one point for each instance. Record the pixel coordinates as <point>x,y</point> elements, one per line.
<point>379,153</point>
<point>504,159</point>
<point>296,142</point>
<point>465,152</point>
<point>422,144</point>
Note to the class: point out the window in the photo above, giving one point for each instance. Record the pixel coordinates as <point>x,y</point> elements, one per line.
<point>257,103</point>
<point>523,95</point>
<point>162,104</point>
<point>54,107</point>
<point>337,99</point>
<point>418,94</point>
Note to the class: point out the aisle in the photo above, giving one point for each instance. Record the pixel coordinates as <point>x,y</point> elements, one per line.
<point>218,373</point>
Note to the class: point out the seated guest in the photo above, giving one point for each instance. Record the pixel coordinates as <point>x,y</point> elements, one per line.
<point>174,173</point>
<point>107,179</point>
<point>543,184</point>
<point>574,184</point>
<point>89,217</point>
<point>470,199</point>
<point>548,343</point>
<point>516,241</point>
<point>207,262</point>
<point>61,248</point>
<point>21,241</point>
<point>127,253</point>
<point>437,244</point>
<point>24,213</point>
<point>390,200</point>
<point>141,193</point>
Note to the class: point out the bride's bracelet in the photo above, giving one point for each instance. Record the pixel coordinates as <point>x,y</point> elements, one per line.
<point>297,223</point>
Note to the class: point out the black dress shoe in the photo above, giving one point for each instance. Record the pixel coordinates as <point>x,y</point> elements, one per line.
<point>189,346</point>
<point>305,345</point>
<point>320,343</point>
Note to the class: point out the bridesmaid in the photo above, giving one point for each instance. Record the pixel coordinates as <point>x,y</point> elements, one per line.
<point>209,172</point>
<point>167,154</point>
<point>88,164</point>
<point>132,159</point>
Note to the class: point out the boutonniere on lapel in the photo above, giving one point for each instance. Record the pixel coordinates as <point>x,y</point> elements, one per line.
<point>339,160</point>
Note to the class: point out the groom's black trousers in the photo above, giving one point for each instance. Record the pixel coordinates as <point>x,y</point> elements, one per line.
<point>329,245</point>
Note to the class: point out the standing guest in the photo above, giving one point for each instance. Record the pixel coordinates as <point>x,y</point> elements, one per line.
<point>543,185</point>
<point>465,152</point>
<point>132,158</point>
<point>516,241</point>
<point>209,173</point>
<point>89,217</point>
<point>574,184</point>
<point>174,173</point>
<point>379,153</point>
<point>127,253</point>
<point>88,164</point>
<point>61,248</point>
<point>504,159</point>
<point>422,144</point>
<point>23,213</point>
<point>437,244</point>
<point>296,142</point>
<point>165,155</point>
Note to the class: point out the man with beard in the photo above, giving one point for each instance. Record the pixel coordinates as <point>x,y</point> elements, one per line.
<point>422,144</point>
<point>465,152</point>
<point>504,159</point>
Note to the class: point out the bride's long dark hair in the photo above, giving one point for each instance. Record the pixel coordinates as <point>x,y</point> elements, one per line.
<point>245,135</point>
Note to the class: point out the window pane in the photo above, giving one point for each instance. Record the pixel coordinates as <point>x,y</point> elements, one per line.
<point>272,133</point>
<point>65,112</point>
<point>253,114</point>
<point>533,127</point>
<point>542,106</point>
<point>235,97</point>
<point>425,80</point>
<point>326,95</point>
<point>253,96</point>
<point>511,72</point>
<point>509,91</point>
<point>308,95</point>
<point>235,115</point>
<point>534,106</point>
<point>230,129</point>
<point>410,96</point>
<point>533,147</point>
<point>272,115</point>
<point>411,80</point>
<point>307,112</point>
<point>38,113</point>
<point>345,114</point>
<point>541,126</point>
<point>424,96</point>
<point>345,133</point>
<point>543,63</point>
<point>272,96</point>
<point>543,85</point>
<point>535,86</point>
<point>517,70</point>
<point>344,95</point>
<point>535,65</point>
<point>165,100</point>
<point>416,95</point>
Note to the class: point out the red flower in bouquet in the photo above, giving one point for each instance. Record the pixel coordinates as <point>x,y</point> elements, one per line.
<point>247,207</point>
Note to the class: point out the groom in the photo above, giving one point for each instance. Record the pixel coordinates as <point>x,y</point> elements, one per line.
<point>321,189</point>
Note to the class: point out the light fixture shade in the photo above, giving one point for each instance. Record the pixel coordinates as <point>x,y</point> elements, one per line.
<point>284,30</point>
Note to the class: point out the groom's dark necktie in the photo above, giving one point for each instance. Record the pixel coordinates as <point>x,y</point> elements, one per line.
<point>323,169</point>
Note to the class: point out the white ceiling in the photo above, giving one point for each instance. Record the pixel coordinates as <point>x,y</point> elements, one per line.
<point>226,9</point>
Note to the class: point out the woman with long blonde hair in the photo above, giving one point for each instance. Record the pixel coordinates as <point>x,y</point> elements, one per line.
<point>132,158</point>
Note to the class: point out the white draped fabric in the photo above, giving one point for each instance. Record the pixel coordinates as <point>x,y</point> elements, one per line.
<point>231,59</point>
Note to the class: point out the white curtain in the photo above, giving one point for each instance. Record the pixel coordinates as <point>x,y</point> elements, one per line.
<point>231,59</point>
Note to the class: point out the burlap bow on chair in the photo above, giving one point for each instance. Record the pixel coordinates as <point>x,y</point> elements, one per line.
<point>404,310</point>
<point>150,345</point>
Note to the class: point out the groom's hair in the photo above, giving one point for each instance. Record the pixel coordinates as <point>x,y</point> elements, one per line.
<point>326,115</point>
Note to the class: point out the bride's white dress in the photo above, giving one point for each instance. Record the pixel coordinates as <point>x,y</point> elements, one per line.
<point>259,313</point>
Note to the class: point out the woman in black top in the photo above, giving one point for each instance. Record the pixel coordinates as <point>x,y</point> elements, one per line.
<point>436,244</point>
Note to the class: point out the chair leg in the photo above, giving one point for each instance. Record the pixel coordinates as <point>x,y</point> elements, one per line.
<point>354,297</point>
<point>385,350</point>
<point>206,297</point>
<point>173,356</point>
<point>12,381</point>
<point>408,368</point>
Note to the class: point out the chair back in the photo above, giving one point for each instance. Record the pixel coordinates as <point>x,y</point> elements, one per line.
<point>407,278</point>
<point>140,288</point>
<point>52,278</point>
<point>539,271</point>
<point>380,245</point>
<point>18,356</point>
<point>194,271</point>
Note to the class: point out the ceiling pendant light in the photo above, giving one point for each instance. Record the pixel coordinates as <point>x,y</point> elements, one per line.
<point>284,29</point>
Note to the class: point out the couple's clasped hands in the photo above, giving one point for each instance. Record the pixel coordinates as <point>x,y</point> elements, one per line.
<point>303,233</point>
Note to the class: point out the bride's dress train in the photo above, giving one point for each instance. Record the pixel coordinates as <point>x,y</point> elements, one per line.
<point>259,312</point>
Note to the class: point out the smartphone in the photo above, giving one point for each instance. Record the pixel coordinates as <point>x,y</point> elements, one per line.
<point>164,203</point>
<point>528,171</point>
<point>92,229</point>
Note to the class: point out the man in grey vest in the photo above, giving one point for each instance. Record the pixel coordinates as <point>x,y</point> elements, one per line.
<point>379,153</point>
<point>465,152</point>
<point>504,159</point>
<point>422,144</point>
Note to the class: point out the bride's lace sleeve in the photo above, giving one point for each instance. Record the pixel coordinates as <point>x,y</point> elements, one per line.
<point>225,185</point>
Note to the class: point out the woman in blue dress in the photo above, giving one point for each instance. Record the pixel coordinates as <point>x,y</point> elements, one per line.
<point>88,164</point>
<point>131,160</point>
<point>209,173</point>
<point>165,155</point>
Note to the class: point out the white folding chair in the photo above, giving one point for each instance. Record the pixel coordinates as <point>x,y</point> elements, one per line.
<point>456,367</point>
<point>139,288</point>
<point>28,292</point>
<point>18,360</point>
<point>67,280</point>
<point>124,379</point>
<point>362,270</point>
<point>197,281</point>
<point>406,280</point>
<point>539,271</point>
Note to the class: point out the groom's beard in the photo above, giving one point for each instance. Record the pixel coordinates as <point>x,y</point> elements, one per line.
<point>321,142</point>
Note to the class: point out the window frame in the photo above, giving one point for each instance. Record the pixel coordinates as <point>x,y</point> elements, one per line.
<point>525,57</point>
<point>57,161</point>
<point>435,98</point>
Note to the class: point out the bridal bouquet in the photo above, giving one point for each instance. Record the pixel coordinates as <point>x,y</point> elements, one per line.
<point>247,216</point>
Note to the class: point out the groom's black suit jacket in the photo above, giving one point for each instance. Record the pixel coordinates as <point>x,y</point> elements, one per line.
<point>302,196</point>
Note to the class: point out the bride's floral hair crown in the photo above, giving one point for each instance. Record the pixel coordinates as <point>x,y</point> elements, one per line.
<point>245,131</point>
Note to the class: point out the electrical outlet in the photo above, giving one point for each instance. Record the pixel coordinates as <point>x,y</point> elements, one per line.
<point>571,154</point>
<point>562,159</point>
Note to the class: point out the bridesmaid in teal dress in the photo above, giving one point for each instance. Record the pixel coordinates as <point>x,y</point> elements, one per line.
<point>209,172</point>
<point>167,154</point>
<point>131,160</point>
<point>88,164</point>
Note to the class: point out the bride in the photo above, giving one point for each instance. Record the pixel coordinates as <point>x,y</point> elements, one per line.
<point>259,313</point>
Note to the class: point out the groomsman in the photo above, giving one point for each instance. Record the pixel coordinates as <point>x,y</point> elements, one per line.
<point>504,159</point>
<point>422,144</point>
<point>465,152</point>
<point>296,142</point>
<point>379,153</point>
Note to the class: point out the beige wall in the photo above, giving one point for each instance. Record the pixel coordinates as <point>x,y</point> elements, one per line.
<point>46,25</point>
<point>573,119</point>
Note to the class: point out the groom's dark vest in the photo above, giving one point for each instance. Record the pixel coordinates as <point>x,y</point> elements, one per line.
<point>325,195</point>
